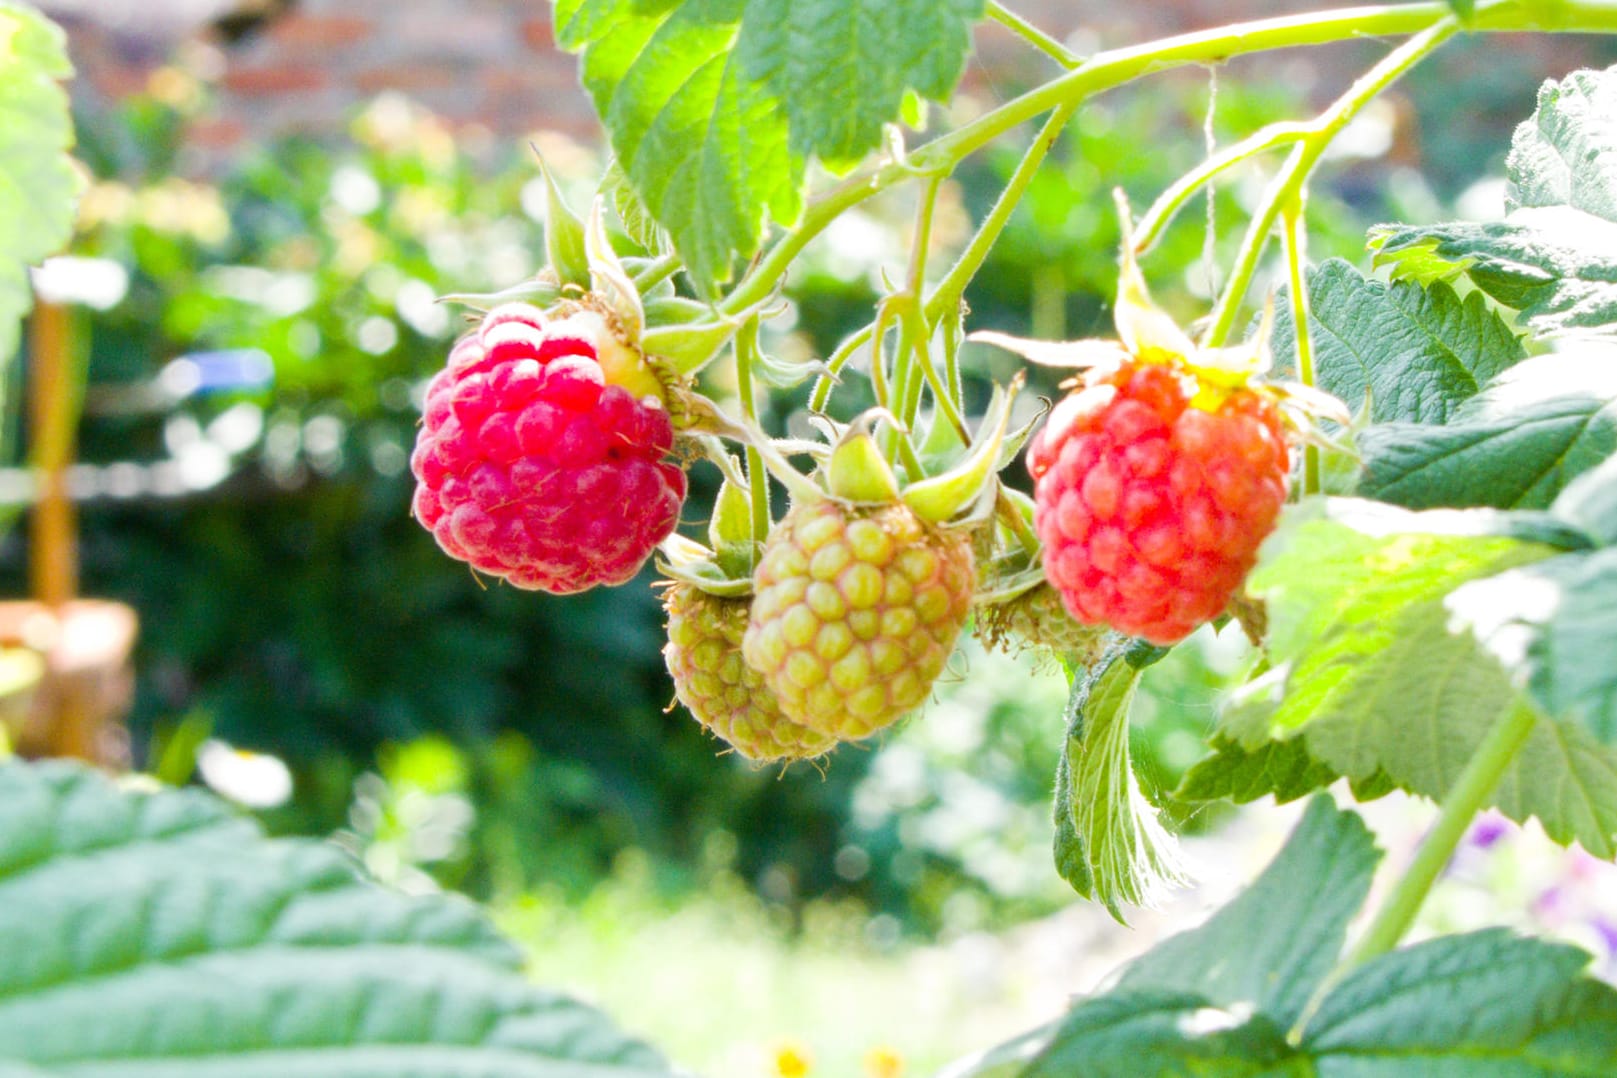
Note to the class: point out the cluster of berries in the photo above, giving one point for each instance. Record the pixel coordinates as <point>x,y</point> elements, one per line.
<point>543,460</point>
<point>854,612</point>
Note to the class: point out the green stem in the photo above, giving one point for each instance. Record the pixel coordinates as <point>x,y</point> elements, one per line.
<point>833,366</point>
<point>1033,35</point>
<point>1011,514</point>
<point>1465,799</point>
<point>912,342</point>
<point>912,366</point>
<point>757,477</point>
<point>918,348</point>
<point>657,272</point>
<point>1288,184</point>
<point>953,285</point>
<point>1295,237</point>
<point>953,330</point>
<point>944,389</point>
<point>1114,67</point>
<point>878,358</point>
<point>1171,201</point>
<point>1101,72</point>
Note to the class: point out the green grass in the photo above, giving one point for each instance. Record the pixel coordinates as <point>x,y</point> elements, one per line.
<point>721,984</point>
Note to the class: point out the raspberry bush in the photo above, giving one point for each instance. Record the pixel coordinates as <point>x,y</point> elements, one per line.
<point>1400,484</point>
<point>1370,483</point>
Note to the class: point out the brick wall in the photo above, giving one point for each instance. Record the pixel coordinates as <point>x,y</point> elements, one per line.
<point>493,62</point>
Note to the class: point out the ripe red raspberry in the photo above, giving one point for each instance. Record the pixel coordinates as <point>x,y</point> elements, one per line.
<point>856,612</point>
<point>1151,508</point>
<point>532,467</point>
<point>719,689</point>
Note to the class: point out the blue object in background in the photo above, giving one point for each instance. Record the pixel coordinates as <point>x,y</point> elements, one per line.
<point>214,372</point>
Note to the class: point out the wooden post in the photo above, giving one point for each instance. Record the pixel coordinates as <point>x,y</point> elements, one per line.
<point>53,563</point>
<point>86,644</point>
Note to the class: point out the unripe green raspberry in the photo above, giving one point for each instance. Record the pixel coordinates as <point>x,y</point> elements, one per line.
<point>1038,619</point>
<point>855,612</point>
<point>726,696</point>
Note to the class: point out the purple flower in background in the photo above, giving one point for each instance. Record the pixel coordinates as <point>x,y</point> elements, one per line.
<point>1608,933</point>
<point>1551,904</point>
<point>1488,829</point>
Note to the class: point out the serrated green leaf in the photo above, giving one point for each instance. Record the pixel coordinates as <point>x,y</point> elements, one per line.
<point>841,67</point>
<point>704,144</point>
<point>1515,445</point>
<point>637,222</point>
<point>1380,677</point>
<point>156,935</point>
<point>1566,154</point>
<point>1217,1000</point>
<point>1109,842</point>
<point>1126,1034</point>
<point>1232,773</point>
<point>715,106</point>
<point>38,185</point>
<point>1272,946</point>
<point>1282,769</point>
<point>1485,1003</point>
<point>1556,623</point>
<point>1415,353</point>
<point>1556,265</point>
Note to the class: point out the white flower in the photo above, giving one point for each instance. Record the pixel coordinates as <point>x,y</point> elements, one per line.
<point>253,779</point>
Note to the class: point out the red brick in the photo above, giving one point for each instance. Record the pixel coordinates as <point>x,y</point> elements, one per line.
<point>278,79</point>
<point>451,31</point>
<point>533,79</point>
<point>409,78</point>
<point>539,35</point>
<point>119,80</point>
<point>215,133</point>
<point>320,31</point>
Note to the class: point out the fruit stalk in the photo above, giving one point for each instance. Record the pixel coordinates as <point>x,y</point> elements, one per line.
<point>1288,185</point>
<point>1464,800</point>
<point>746,344</point>
<point>1295,234</point>
<point>949,290</point>
<point>1033,35</point>
<point>1112,68</point>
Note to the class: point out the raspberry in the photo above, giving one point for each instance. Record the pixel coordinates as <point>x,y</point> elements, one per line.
<point>1151,508</point>
<point>532,467</point>
<point>724,694</point>
<point>1038,619</point>
<point>856,611</point>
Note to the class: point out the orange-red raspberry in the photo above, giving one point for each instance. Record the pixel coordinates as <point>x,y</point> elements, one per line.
<point>1150,508</point>
<point>530,466</point>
